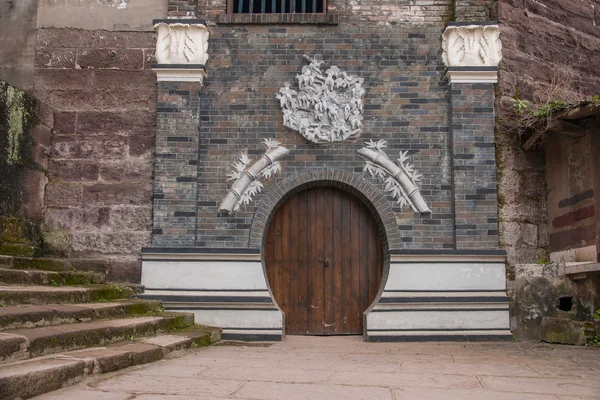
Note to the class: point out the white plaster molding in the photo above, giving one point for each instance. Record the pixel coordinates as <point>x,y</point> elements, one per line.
<point>179,74</point>
<point>472,76</point>
<point>472,46</point>
<point>328,107</point>
<point>400,179</point>
<point>246,176</point>
<point>181,43</point>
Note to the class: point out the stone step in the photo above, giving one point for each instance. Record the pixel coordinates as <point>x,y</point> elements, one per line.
<point>56,264</point>
<point>22,250</point>
<point>20,344</point>
<point>40,263</point>
<point>23,294</point>
<point>38,277</point>
<point>26,379</point>
<point>6,261</point>
<point>32,316</point>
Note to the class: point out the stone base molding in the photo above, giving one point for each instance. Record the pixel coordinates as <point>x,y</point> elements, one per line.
<point>225,288</point>
<point>427,295</point>
<point>442,296</point>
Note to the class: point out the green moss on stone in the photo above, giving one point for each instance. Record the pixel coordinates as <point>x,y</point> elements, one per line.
<point>57,243</point>
<point>110,292</point>
<point>44,264</point>
<point>16,250</point>
<point>143,308</point>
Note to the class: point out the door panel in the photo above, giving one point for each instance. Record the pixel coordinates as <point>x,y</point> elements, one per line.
<point>312,226</point>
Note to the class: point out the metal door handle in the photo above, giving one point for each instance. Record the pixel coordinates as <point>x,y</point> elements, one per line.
<point>325,262</point>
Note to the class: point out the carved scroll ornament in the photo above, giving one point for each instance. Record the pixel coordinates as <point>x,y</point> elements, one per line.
<point>179,43</point>
<point>472,46</point>
<point>246,176</point>
<point>400,179</point>
<point>328,106</point>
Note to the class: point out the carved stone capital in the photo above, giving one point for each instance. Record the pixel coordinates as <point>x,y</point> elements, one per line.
<point>472,51</point>
<point>181,50</point>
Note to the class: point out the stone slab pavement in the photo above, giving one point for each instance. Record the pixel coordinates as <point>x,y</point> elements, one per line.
<point>349,368</point>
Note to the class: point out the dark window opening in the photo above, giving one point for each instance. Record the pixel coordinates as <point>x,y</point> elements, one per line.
<point>565,303</point>
<point>277,6</point>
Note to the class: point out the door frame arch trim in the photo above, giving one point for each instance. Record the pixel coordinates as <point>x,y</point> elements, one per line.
<point>356,185</point>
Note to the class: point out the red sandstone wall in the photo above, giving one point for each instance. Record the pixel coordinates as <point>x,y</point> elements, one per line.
<point>103,94</point>
<point>551,50</point>
<point>542,37</point>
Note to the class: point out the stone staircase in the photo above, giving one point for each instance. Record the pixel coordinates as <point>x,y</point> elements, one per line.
<point>59,325</point>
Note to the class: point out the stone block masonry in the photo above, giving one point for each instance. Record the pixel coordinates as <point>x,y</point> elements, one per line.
<point>103,96</point>
<point>550,47</point>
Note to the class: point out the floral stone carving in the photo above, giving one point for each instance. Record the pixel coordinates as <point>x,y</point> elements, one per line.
<point>328,106</point>
<point>246,176</point>
<point>400,179</point>
<point>472,46</point>
<point>179,43</point>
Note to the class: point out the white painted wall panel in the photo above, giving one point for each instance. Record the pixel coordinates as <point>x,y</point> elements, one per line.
<point>446,276</point>
<point>438,320</point>
<point>239,318</point>
<point>224,275</point>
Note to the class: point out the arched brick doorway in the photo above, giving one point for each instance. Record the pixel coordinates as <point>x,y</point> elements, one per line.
<point>324,261</point>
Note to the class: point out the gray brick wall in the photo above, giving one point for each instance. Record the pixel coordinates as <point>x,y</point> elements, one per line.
<point>407,103</point>
<point>474,165</point>
<point>176,165</point>
<point>474,10</point>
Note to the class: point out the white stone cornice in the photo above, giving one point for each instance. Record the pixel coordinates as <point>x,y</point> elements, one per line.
<point>472,75</point>
<point>187,73</point>
<point>181,50</point>
<point>472,45</point>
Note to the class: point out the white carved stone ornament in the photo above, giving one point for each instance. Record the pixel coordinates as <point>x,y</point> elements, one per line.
<point>246,176</point>
<point>400,179</point>
<point>328,106</point>
<point>181,51</point>
<point>472,46</point>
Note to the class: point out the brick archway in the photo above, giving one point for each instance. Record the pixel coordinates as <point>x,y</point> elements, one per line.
<point>354,184</point>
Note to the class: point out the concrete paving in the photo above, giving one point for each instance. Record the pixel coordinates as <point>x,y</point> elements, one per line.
<point>349,368</point>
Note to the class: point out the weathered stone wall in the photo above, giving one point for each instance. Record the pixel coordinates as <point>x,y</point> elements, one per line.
<point>539,288</point>
<point>103,93</point>
<point>560,38</point>
<point>551,51</point>
<point>17,42</point>
<point>112,15</point>
<point>23,143</point>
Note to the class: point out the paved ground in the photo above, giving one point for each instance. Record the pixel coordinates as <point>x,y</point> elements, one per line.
<point>348,368</point>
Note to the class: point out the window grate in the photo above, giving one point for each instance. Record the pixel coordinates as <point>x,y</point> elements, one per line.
<point>277,6</point>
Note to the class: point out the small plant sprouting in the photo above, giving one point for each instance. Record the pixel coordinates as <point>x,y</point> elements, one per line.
<point>543,258</point>
<point>597,314</point>
<point>522,106</point>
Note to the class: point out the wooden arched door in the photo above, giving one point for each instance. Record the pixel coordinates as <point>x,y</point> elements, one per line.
<point>324,262</point>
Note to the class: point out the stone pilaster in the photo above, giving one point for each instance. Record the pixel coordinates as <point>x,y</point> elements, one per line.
<point>180,54</point>
<point>472,53</point>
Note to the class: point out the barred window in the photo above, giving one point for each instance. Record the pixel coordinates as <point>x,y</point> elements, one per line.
<point>276,6</point>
